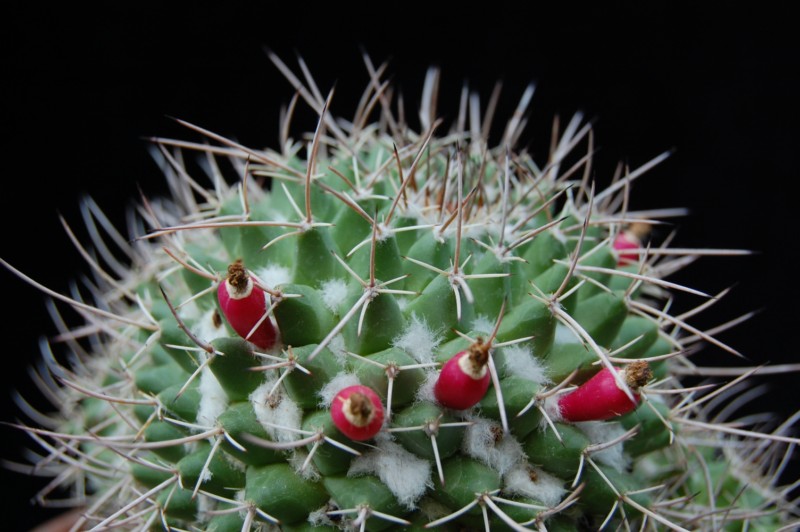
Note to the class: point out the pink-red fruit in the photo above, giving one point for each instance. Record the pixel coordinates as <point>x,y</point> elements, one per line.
<point>631,238</point>
<point>464,379</point>
<point>357,412</point>
<point>244,305</point>
<point>601,398</point>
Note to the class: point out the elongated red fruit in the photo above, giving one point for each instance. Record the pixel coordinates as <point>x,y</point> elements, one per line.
<point>601,398</point>
<point>631,238</point>
<point>464,379</point>
<point>245,305</point>
<point>357,412</point>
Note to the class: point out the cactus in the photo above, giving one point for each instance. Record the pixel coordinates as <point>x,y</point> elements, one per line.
<point>377,328</point>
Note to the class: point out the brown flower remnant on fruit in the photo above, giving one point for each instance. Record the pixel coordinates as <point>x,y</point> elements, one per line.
<point>359,409</point>
<point>639,229</point>
<point>637,374</point>
<point>478,355</point>
<point>237,276</point>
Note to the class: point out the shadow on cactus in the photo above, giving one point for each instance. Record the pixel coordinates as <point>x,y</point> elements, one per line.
<point>377,328</point>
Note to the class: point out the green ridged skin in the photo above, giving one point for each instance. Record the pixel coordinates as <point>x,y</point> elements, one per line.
<point>377,268</point>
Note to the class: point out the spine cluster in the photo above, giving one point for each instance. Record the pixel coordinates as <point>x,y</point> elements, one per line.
<point>376,328</point>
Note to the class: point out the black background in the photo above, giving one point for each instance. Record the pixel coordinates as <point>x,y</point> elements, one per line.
<point>81,89</point>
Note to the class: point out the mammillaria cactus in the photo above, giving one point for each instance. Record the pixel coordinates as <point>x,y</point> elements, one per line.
<point>377,328</point>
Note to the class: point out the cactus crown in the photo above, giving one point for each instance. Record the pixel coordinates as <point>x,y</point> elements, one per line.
<point>372,255</point>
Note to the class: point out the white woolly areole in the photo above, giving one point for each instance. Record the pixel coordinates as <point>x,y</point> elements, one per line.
<point>402,303</point>
<point>520,362</point>
<point>547,489</point>
<point>213,399</point>
<point>320,517</point>
<point>206,475</point>
<point>418,340</point>
<point>414,208</point>
<point>484,440</point>
<point>602,432</point>
<point>205,504</point>
<point>339,349</point>
<point>274,274</point>
<point>564,335</point>
<point>425,391</point>
<point>552,410</point>
<point>234,462</point>
<point>277,410</point>
<point>206,330</point>
<point>482,324</point>
<point>339,382</point>
<point>333,292</point>
<point>297,459</point>
<point>406,475</point>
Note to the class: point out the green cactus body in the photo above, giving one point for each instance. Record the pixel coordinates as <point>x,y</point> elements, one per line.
<point>377,270</point>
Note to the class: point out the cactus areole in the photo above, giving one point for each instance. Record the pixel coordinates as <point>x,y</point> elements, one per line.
<point>307,343</point>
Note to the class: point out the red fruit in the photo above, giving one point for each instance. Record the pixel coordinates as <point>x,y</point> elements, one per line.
<point>630,239</point>
<point>357,412</point>
<point>245,305</point>
<point>623,242</point>
<point>464,379</point>
<point>601,398</point>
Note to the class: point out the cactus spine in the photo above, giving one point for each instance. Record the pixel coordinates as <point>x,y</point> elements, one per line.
<point>354,284</point>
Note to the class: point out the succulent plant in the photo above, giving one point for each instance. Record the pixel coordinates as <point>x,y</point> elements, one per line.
<point>380,328</point>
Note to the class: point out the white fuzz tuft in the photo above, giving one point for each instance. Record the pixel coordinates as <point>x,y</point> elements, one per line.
<point>339,382</point>
<point>564,335</point>
<point>406,475</point>
<point>276,412</point>
<point>482,324</point>
<point>547,489</point>
<point>415,209</point>
<point>339,349</point>
<point>418,340</point>
<point>602,432</point>
<point>320,517</point>
<point>274,274</point>
<point>213,399</point>
<point>297,458</point>
<point>206,475</point>
<point>205,329</point>
<point>552,410</point>
<point>333,292</point>
<point>425,391</point>
<point>520,362</point>
<point>485,441</point>
<point>234,462</point>
<point>402,303</point>
<point>205,505</point>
